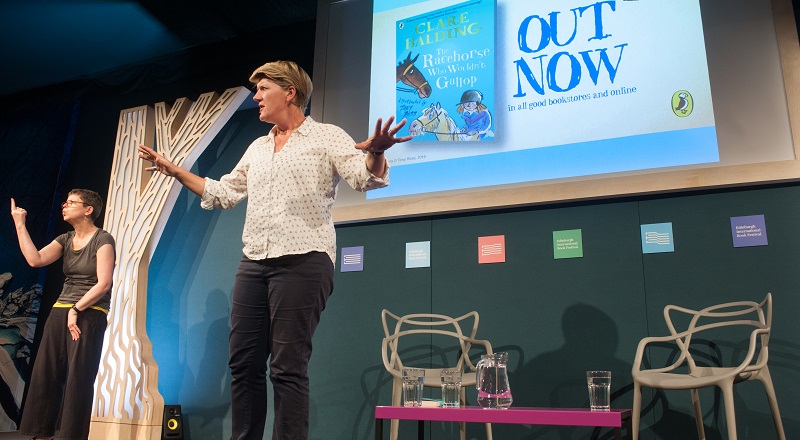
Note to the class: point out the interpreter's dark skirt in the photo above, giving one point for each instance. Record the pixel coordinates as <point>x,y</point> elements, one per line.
<point>63,377</point>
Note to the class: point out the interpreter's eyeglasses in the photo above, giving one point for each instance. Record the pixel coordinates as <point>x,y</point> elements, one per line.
<point>71,203</point>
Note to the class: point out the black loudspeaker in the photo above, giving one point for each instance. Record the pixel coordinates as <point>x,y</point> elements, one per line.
<point>172,427</point>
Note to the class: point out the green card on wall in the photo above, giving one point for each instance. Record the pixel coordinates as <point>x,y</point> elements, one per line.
<point>567,244</point>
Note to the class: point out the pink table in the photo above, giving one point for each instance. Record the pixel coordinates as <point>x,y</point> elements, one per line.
<point>616,418</point>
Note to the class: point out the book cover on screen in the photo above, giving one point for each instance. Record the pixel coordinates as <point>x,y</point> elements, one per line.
<point>445,73</point>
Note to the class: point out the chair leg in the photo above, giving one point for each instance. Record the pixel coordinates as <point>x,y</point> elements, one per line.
<point>637,407</point>
<point>462,401</point>
<point>766,380</point>
<point>698,414</point>
<point>463,426</point>
<point>730,413</point>
<point>397,394</point>
<point>393,430</point>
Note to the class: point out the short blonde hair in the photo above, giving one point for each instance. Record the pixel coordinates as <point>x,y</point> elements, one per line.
<point>285,74</point>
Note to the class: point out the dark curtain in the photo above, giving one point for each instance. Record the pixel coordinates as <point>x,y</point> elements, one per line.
<point>61,137</point>
<point>36,146</point>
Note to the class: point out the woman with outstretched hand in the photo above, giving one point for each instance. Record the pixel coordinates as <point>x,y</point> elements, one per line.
<point>289,178</point>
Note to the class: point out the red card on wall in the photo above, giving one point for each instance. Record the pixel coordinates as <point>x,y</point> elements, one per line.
<point>492,249</point>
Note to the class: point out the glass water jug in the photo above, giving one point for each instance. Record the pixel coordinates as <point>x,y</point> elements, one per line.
<point>492,383</point>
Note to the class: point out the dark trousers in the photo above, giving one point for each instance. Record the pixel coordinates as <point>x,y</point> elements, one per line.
<point>63,377</point>
<point>277,304</point>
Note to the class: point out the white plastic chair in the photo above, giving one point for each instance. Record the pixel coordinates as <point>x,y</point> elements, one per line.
<point>746,314</point>
<point>431,324</point>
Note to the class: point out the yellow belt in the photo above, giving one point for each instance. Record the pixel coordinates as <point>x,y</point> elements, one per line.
<point>65,305</point>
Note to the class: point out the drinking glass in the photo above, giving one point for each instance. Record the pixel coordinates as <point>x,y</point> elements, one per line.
<point>599,383</point>
<point>451,388</point>
<point>413,379</point>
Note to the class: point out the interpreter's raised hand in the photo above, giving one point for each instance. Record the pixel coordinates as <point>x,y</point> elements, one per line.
<point>160,164</point>
<point>18,214</point>
<point>72,324</point>
<point>384,136</point>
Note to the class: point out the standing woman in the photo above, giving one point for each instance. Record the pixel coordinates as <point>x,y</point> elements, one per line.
<point>69,352</point>
<point>289,178</point>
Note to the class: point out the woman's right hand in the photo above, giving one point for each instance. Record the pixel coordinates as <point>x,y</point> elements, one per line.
<point>18,214</point>
<point>160,164</point>
<point>72,324</point>
<point>191,181</point>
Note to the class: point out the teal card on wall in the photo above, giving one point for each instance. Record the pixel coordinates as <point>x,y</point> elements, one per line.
<point>418,254</point>
<point>567,244</point>
<point>657,237</point>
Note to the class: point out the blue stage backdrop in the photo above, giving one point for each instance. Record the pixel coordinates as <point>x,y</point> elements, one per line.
<point>189,291</point>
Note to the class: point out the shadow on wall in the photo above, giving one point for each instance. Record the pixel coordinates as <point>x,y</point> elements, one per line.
<point>591,339</point>
<point>199,364</point>
<point>558,378</point>
<point>190,276</point>
<point>211,390</point>
<point>376,389</point>
<point>374,379</point>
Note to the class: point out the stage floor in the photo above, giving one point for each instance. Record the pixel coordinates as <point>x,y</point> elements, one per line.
<point>13,436</point>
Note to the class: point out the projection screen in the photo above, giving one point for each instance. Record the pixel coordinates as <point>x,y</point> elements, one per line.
<point>537,102</point>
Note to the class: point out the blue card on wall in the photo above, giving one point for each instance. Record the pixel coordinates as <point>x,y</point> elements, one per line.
<point>657,237</point>
<point>749,230</point>
<point>353,259</point>
<point>418,254</point>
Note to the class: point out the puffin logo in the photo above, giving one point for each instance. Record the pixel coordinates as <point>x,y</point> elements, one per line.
<point>682,103</point>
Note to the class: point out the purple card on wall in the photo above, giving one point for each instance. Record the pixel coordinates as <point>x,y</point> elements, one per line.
<point>353,259</point>
<point>749,230</point>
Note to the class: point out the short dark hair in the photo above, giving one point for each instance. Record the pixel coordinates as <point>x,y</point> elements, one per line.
<point>90,198</point>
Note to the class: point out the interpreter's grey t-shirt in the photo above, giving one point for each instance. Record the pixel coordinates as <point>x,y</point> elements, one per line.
<point>80,267</point>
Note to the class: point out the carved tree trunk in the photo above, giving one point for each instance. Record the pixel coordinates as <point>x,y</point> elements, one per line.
<point>127,404</point>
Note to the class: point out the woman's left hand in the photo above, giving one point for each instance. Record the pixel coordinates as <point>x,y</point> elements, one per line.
<point>72,324</point>
<point>384,136</point>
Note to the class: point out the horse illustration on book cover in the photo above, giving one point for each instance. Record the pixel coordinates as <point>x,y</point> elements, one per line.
<point>446,65</point>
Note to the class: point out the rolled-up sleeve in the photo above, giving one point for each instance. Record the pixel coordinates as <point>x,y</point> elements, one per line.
<point>229,190</point>
<point>350,162</point>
